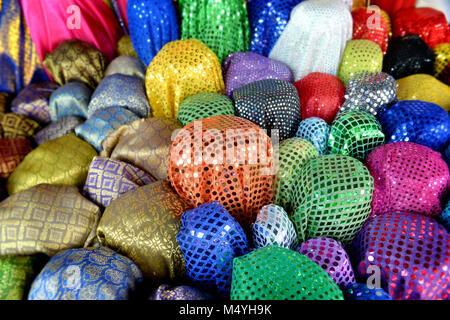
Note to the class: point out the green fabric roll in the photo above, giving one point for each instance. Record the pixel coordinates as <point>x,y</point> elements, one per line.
<point>16,275</point>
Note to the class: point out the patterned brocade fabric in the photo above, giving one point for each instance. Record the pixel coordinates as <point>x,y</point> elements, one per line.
<point>71,99</point>
<point>58,129</point>
<point>16,274</point>
<point>12,152</point>
<point>46,219</point>
<point>17,126</point>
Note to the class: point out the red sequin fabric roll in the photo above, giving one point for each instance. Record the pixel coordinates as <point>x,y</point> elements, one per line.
<point>370,25</point>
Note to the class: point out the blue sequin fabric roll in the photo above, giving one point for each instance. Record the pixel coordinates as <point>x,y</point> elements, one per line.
<point>360,291</point>
<point>317,131</point>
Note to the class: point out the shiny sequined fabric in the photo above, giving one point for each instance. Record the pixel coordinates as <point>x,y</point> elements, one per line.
<point>210,238</point>
<point>321,95</point>
<point>408,177</point>
<point>17,126</point>
<point>86,274</point>
<point>57,129</point>
<point>166,292</point>
<point>370,25</point>
<point>320,28</point>
<point>273,227</point>
<point>12,152</point>
<point>411,252</point>
<point>444,217</point>
<point>179,70</point>
<point>331,198</point>
<point>317,131</point>
<point>360,291</point>
<point>271,104</point>
<point>442,62</point>
<point>69,100</point>
<point>331,256</point>
<point>129,66</point>
<point>236,152</point>
<point>295,277</point>
<point>16,275</point>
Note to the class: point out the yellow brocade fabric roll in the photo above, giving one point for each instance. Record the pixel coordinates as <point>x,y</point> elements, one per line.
<point>125,47</point>
<point>142,224</point>
<point>144,143</point>
<point>425,88</point>
<point>181,69</point>
<point>16,275</point>
<point>46,219</point>
<point>75,60</point>
<point>64,160</point>
<point>17,126</point>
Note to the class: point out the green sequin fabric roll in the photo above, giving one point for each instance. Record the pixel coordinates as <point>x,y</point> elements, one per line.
<point>16,275</point>
<point>355,133</point>
<point>204,105</point>
<point>275,273</point>
<point>331,197</point>
<point>221,24</point>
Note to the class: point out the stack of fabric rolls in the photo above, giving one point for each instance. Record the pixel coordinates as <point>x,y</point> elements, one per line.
<point>226,149</point>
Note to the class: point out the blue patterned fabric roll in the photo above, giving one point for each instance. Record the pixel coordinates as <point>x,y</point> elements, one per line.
<point>317,131</point>
<point>71,99</point>
<point>86,274</point>
<point>58,129</point>
<point>359,291</point>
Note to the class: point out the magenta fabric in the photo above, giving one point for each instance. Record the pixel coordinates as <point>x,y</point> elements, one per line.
<point>123,9</point>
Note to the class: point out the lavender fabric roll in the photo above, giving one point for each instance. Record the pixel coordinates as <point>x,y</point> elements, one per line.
<point>58,129</point>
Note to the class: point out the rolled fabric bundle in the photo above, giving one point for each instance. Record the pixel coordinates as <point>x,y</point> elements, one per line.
<point>204,105</point>
<point>144,143</point>
<point>408,55</point>
<point>128,66</point>
<point>441,5</point>
<point>273,227</point>
<point>125,47</point>
<point>120,7</point>
<point>167,86</point>
<point>33,102</point>
<point>360,291</point>
<point>17,274</point>
<point>46,219</point>
<point>317,131</point>
<point>241,68</point>
<point>332,257</point>
<point>210,238</point>
<point>392,6</point>
<point>421,122</point>
<point>425,88</point>
<point>60,161</point>
<point>271,104</point>
<point>360,56</point>
<point>153,23</point>
<point>387,19</point>
<point>143,224</point>
<point>331,198</point>
<point>17,126</point>
<point>12,152</point>
<point>430,24</point>
<point>321,95</point>
<point>444,217</point>
<point>58,129</point>
<point>320,29</point>
<point>107,179</point>
<point>87,274</point>
<point>442,62</point>
<point>245,174</point>
<point>74,60</point>
<point>370,25</point>
<point>410,244</point>
<point>294,276</point>
<point>372,92</point>
<point>355,133</point>
<point>409,178</point>
<point>70,100</point>
<point>166,292</point>
<point>293,154</point>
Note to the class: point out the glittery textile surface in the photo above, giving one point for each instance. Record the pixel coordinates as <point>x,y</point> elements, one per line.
<point>442,62</point>
<point>12,152</point>
<point>166,292</point>
<point>444,217</point>
<point>69,100</point>
<point>360,291</point>
<point>370,25</point>
<point>57,129</point>
<point>317,131</point>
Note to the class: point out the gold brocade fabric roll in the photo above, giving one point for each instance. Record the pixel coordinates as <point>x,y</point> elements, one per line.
<point>144,143</point>
<point>125,47</point>
<point>16,275</point>
<point>142,224</point>
<point>75,60</point>
<point>64,160</point>
<point>181,69</point>
<point>46,219</point>
<point>17,126</point>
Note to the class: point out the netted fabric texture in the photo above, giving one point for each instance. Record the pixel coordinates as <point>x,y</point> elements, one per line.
<point>332,257</point>
<point>271,104</point>
<point>221,24</point>
<point>317,131</point>
<point>197,70</point>
<point>293,154</point>
<point>331,198</point>
<point>360,291</point>
<point>401,244</point>
<point>12,152</point>
<point>129,66</point>
<point>273,227</point>
<point>360,56</point>
<point>355,133</point>
<point>442,62</point>
<point>321,28</point>
<point>210,238</point>
<point>241,68</point>
<point>321,95</point>
<point>408,177</point>
<point>370,25</point>
<point>17,126</point>
<point>444,217</point>
<point>421,122</point>
<point>169,293</point>
<point>275,273</point>
<point>70,100</point>
<point>204,105</point>
<point>57,129</point>
<point>408,55</point>
<point>372,92</point>
<point>152,24</point>
<point>224,158</point>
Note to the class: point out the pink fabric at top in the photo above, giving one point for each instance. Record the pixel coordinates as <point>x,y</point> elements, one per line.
<point>123,9</point>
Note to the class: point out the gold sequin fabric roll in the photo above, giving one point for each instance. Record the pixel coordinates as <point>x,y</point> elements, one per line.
<point>142,224</point>
<point>64,160</point>
<point>46,219</point>
<point>125,47</point>
<point>181,69</point>
<point>75,60</point>
<point>17,126</point>
<point>144,143</point>
<point>442,62</point>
